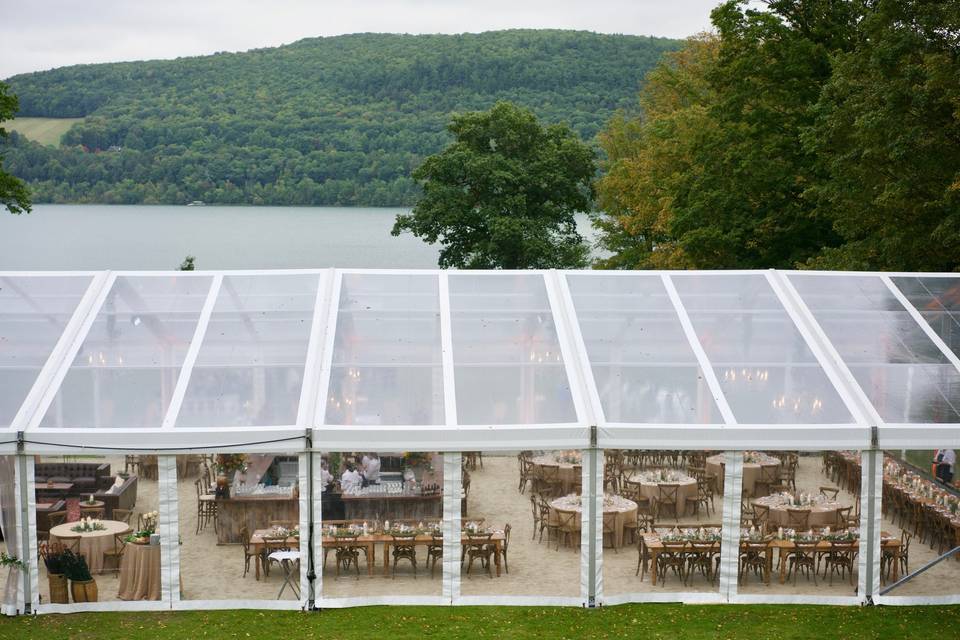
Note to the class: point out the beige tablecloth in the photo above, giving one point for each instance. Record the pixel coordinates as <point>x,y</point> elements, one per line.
<point>92,543</point>
<point>686,489</point>
<point>751,473</point>
<point>623,511</point>
<point>820,516</point>
<point>569,474</point>
<point>140,573</point>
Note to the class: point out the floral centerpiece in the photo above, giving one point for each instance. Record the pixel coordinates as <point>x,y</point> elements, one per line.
<point>418,459</point>
<point>284,532</point>
<point>227,465</point>
<point>803,536</point>
<point>475,529</point>
<point>148,526</point>
<point>844,535</point>
<point>86,525</point>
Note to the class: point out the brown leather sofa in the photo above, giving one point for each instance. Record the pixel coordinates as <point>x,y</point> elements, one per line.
<point>87,477</point>
<point>126,498</point>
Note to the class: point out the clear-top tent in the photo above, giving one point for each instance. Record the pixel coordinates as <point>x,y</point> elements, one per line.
<point>460,360</point>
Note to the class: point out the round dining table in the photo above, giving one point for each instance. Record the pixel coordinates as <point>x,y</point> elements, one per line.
<point>621,510</point>
<point>752,473</point>
<point>92,543</point>
<point>140,572</point>
<point>568,473</point>
<point>821,515</point>
<point>686,488</point>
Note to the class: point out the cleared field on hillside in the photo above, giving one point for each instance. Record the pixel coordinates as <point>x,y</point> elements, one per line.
<point>46,131</point>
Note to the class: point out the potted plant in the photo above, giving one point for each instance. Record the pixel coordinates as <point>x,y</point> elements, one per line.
<point>82,585</point>
<point>53,559</point>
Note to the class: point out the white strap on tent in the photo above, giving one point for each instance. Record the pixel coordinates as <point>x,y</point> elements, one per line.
<point>591,511</point>
<point>31,510</point>
<point>871,486</point>
<point>169,526</point>
<point>730,536</point>
<point>318,528</point>
<point>304,524</point>
<point>452,488</point>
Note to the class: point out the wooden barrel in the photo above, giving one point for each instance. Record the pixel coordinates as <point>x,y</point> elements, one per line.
<point>58,588</point>
<point>84,591</point>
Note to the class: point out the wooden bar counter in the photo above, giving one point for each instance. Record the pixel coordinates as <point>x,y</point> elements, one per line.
<point>253,512</point>
<point>392,507</point>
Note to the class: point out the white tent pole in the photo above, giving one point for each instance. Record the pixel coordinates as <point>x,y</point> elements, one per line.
<point>79,327</point>
<point>27,556</point>
<point>705,367</point>
<point>169,526</point>
<point>583,389</point>
<point>325,356</point>
<point>60,351</point>
<point>306,411</point>
<point>452,486</point>
<point>183,380</point>
<point>730,535</point>
<point>452,462</point>
<point>849,389</point>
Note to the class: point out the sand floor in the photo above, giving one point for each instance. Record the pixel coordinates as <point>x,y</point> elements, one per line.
<point>213,572</point>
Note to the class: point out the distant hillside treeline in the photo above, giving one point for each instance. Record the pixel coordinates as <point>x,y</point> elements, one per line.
<point>341,120</point>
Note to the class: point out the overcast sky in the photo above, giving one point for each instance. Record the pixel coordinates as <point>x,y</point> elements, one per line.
<point>43,34</point>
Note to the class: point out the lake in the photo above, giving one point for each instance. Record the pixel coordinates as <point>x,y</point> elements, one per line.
<point>122,237</point>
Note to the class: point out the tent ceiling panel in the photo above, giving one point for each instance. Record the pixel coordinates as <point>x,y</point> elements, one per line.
<point>124,372</point>
<point>34,313</point>
<point>938,301</point>
<point>385,364</point>
<point>902,371</point>
<point>508,361</point>
<point>643,366</point>
<point>249,370</point>
<point>765,368</point>
<point>448,360</point>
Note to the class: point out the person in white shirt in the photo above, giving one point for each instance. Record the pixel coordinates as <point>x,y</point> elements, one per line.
<point>371,468</point>
<point>350,479</point>
<point>946,459</point>
<point>325,476</point>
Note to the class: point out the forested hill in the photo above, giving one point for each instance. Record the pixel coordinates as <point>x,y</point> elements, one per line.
<point>340,120</point>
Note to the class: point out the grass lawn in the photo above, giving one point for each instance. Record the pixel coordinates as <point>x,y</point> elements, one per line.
<point>46,131</point>
<point>647,621</point>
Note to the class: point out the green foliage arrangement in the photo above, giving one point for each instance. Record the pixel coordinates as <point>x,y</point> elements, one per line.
<point>11,561</point>
<point>75,567</point>
<point>338,121</point>
<point>505,193</point>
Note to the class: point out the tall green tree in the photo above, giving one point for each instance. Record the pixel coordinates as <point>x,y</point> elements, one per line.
<point>13,193</point>
<point>887,137</point>
<point>714,173</point>
<point>504,194</point>
<point>652,160</point>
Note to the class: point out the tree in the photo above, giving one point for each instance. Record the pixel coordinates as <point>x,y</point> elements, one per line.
<point>712,173</point>
<point>188,264</point>
<point>887,137</point>
<point>652,159</point>
<point>505,193</point>
<point>13,193</point>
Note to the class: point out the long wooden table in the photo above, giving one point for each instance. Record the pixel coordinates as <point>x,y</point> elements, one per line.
<point>655,547</point>
<point>370,543</point>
